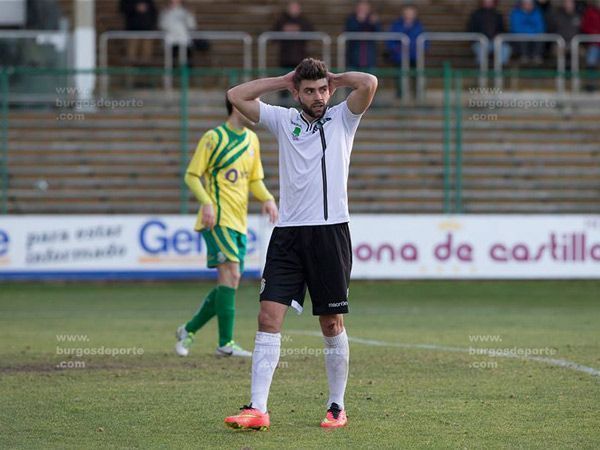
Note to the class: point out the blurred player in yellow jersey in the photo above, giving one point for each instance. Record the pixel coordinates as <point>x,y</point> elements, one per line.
<point>228,157</point>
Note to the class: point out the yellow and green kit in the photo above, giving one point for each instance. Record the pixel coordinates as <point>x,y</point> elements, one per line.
<point>228,160</point>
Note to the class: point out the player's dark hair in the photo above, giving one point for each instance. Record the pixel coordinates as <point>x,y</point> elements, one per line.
<point>228,105</point>
<point>309,69</point>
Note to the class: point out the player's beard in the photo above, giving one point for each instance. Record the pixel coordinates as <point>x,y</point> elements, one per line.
<point>310,111</point>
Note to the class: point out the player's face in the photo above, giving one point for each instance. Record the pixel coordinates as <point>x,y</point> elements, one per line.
<point>313,96</point>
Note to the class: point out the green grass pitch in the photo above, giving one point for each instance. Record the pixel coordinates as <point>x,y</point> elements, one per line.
<point>400,394</point>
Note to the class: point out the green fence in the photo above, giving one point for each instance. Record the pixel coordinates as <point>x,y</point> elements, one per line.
<point>17,83</point>
<point>4,90</point>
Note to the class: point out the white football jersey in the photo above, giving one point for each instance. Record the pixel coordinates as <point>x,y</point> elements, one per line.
<point>313,182</point>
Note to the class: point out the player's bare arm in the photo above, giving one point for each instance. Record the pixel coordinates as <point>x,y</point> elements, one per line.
<point>245,96</point>
<point>363,87</point>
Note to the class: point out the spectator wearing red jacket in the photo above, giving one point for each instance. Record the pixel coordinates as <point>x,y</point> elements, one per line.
<point>590,24</point>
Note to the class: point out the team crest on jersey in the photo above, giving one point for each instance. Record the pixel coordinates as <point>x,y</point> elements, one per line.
<point>296,133</point>
<point>221,257</point>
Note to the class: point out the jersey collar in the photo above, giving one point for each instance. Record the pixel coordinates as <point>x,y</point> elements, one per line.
<point>239,132</point>
<point>311,125</point>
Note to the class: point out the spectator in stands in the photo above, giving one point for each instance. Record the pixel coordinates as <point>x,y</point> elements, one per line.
<point>410,25</point>
<point>45,15</point>
<point>545,6</point>
<point>177,22</point>
<point>362,54</point>
<point>590,24</point>
<point>488,21</point>
<point>291,20</point>
<point>526,18</point>
<point>565,20</point>
<point>548,11</point>
<point>580,6</point>
<point>140,15</point>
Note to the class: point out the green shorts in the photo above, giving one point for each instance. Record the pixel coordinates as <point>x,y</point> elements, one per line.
<point>224,244</point>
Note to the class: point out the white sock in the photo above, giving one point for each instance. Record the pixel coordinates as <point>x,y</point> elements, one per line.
<point>264,361</point>
<point>337,356</point>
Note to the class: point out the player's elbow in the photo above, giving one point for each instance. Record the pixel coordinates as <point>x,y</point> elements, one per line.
<point>370,83</point>
<point>366,89</point>
<point>237,95</point>
<point>189,179</point>
<point>233,97</point>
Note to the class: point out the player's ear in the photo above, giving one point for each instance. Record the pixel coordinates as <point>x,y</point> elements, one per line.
<point>296,94</point>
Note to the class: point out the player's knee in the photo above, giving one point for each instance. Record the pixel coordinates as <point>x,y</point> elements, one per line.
<point>267,322</point>
<point>331,325</point>
<point>234,277</point>
<point>229,276</point>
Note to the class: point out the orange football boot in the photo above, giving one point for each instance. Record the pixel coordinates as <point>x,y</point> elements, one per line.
<point>335,418</point>
<point>249,419</point>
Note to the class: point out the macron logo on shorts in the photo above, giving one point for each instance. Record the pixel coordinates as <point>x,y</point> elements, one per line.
<point>263,283</point>
<point>338,304</point>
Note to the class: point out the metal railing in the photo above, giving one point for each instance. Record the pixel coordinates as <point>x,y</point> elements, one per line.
<point>4,90</point>
<point>125,35</point>
<point>241,36</point>
<point>343,38</point>
<point>575,43</point>
<point>450,37</point>
<point>543,37</point>
<point>42,37</point>
<point>268,36</point>
<point>452,124</point>
<point>62,41</point>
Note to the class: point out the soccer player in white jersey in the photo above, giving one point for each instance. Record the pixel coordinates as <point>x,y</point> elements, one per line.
<point>310,246</point>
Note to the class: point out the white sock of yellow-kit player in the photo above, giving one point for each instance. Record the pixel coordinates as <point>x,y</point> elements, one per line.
<point>264,361</point>
<point>337,356</point>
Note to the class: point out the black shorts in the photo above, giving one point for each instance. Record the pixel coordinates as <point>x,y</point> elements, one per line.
<point>318,257</point>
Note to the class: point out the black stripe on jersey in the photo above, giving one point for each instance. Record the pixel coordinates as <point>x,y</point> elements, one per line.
<point>319,126</point>
<point>306,122</point>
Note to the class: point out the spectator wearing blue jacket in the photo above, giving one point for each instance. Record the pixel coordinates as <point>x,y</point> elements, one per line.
<point>362,54</point>
<point>410,25</point>
<point>526,18</point>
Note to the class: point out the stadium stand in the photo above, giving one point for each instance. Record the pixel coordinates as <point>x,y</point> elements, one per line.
<point>127,160</point>
<point>255,17</point>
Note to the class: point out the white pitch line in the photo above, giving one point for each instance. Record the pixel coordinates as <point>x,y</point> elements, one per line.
<point>552,361</point>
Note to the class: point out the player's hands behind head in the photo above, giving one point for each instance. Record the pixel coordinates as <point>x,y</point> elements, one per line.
<point>332,82</point>
<point>289,80</point>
